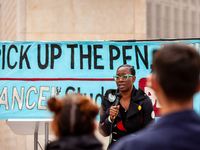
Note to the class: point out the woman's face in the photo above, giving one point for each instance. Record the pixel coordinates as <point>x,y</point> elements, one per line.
<point>125,85</point>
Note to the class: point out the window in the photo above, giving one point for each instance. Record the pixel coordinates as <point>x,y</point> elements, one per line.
<point>167,22</point>
<point>158,20</point>
<point>176,23</point>
<point>185,23</point>
<point>149,20</point>
<point>193,24</point>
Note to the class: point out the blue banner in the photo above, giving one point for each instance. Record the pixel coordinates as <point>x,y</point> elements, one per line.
<point>31,72</point>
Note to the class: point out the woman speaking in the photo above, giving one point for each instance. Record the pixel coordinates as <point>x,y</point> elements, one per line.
<point>132,113</point>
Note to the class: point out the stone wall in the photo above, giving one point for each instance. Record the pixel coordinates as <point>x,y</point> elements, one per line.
<point>66,20</point>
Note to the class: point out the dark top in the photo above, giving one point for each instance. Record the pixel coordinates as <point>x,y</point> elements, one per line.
<point>123,113</point>
<point>137,117</point>
<point>176,131</point>
<point>82,142</point>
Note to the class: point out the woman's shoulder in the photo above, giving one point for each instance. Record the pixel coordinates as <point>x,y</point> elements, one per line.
<point>112,91</point>
<point>140,95</point>
<point>110,95</point>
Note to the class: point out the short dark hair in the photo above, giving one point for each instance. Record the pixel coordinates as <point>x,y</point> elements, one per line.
<point>177,68</point>
<point>128,66</point>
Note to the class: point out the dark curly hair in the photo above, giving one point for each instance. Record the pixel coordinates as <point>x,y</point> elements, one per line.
<point>73,115</point>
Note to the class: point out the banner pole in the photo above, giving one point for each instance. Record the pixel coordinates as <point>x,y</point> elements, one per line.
<point>46,133</point>
<point>36,136</point>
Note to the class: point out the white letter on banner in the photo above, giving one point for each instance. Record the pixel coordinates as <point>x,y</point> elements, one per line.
<point>41,98</point>
<point>27,97</point>
<point>53,90</point>
<point>152,96</point>
<point>16,95</point>
<point>4,102</point>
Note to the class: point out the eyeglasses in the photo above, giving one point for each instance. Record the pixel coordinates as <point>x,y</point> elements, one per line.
<point>124,77</point>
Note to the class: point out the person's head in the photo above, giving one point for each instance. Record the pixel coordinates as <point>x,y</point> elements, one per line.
<point>73,115</point>
<point>176,69</point>
<point>125,77</point>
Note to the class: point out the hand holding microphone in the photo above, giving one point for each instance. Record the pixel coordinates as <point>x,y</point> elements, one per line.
<point>114,110</point>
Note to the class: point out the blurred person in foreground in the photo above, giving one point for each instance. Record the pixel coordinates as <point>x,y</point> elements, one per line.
<point>132,113</point>
<point>175,80</point>
<point>73,123</point>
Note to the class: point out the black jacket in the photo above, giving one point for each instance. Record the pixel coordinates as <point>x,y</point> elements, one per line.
<point>83,142</point>
<point>138,115</point>
<point>174,131</point>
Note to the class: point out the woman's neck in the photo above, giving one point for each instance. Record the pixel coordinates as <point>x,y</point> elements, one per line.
<point>126,95</point>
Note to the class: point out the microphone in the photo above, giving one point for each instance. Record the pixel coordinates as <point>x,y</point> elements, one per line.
<point>118,97</point>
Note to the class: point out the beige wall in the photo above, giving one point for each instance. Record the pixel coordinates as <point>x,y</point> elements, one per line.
<point>8,20</point>
<point>68,20</point>
<point>85,19</point>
